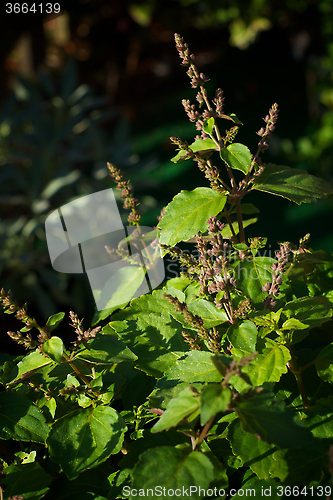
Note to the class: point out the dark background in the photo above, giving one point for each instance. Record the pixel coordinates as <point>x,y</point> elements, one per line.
<point>102,82</point>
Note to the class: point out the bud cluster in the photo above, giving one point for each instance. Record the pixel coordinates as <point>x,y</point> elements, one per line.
<point>82,336</point>
<point>270,120</point>
<point>187,61</point>
<point>278,268</point>
<point>126,193</point>
<point>10,307</point>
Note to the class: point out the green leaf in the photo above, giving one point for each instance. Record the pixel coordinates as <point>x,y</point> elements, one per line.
<point>198,145</point>
<point>28,481</point>
<point>320,418</point>
<point>54,320</point>
<point>252,275</point>
<point>237,156</point>
<point>233,118</point>
<point>20,419</point>
<point>151,333</point>
<point>226,231</point>
<point>241,247</point>
<point>187,214</point>
<point>29,365</point>
<point>269,365</point>
<point>186,403</point>
<point>265,415</point>
<point>312,311</point>
<point>204,309</point>
<point>291,183</point>
<point>54,348</point>
<point>85,438</point>
<point>208,126</point>
<point>255,453</point>
<point>324,364</point>
<point>106,349</point>
<point>92,485</point>
<point>195,368</point>
<point>172,469</point>
<point>243,336</point>
<point>214,399</point>
<point>121,287</point>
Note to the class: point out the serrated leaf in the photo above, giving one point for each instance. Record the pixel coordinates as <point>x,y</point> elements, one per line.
<point>106,349</point>
<point>20,419</point>
<point>28,481</point>
<point>320,418</point>
<point>256,454</point>
<point>237,156</point>
<point>121,287</point>
<point>270,365</point>
<point>324,364</point>
<point>173,469</point>
<point>214,399</point>
<point>187,214</point>
<point>252,275</point>
<point>291,183</point>
<point>243,336</point>
<point>312,311</point>
<point>151,333</point>
<point>186,403</point>
<point>54,320</point>
<point>54,348</point>
<point>266,416</point>
<point>84,438</point>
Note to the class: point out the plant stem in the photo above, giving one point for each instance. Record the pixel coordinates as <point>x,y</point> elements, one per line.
<point>293,365</point>
<point>204,432</point>
<point>240,221</point>
<point>76,369</point>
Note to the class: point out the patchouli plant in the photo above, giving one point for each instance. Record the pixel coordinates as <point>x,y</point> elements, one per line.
<point>217,383</point>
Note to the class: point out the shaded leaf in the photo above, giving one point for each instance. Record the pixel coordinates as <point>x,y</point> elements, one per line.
<point>106,349</point>
<point>214,399</point>
<point>186,403</point>
<point>173,469</point>
<point>85,438</point>
<point>29,481</point>
<point>20,419</point>
<point>291,183</point>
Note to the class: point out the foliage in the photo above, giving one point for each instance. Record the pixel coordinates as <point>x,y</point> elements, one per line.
<point>220,379</point>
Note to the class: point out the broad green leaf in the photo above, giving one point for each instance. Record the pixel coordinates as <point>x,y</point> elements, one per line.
<point>198,145</point>
<point>85,438</point>
<point>28,481</point>
<point>266,416</point>
<point>208,126</point>
<point>269,365</point>
<point>54,320</point>
<point>20,419</point>
<point>243,336</point>
<point>320,418</point>
<point>204,309</point>
<point>121,287</point>
<point>293,324</point>
<point>261,488</point>
<point>254,452</point>
<point>187,214</point>
<point>172,469</point>
<point>226,231</point>
<point>54,348</point>
<point>237,156</point>
<point>29,365</point>
<point>106,349</point>
<point>195,368</point>
<point>151,333</point>
<point>100,315</point>
<point>324,364</point>
<point>186,403</point>
<point>291,183</point>
<point>214,399</point>
<point>312,311</point>
<point>246,208</point>
<point>252,275</point>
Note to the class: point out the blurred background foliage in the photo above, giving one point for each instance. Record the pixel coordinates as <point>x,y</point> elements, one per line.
<point>102,82</point>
